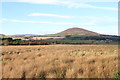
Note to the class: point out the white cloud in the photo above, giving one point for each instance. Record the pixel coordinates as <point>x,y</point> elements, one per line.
<point>103,19</point>
<point>69,3</point>
<point>84,5</point>
<point>48,22</point>
<point>49,15</point>
<point>108,32</point>
<point>93,0</point>
<point>2,19</point>
<point>34,1</point>
<point>49,1</point>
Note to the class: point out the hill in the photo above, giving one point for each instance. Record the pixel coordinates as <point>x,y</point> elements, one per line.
<point>75,31</point>
<point>23,35</point>
<point>2,35</point>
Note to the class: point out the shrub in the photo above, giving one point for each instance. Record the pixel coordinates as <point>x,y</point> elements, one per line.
<point>59,72</point>
<point>117,75</point>
<point>42,75</point>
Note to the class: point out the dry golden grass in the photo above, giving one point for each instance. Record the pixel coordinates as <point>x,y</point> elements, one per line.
<point>39,38</point>
<point>60,61</point>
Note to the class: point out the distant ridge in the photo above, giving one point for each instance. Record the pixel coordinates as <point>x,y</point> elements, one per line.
<point>75,31</point>
<point>70,31</point>
<point>2,35</point>
<point>23,35</point>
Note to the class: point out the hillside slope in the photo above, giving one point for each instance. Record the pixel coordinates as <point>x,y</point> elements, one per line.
<point>75,31</point>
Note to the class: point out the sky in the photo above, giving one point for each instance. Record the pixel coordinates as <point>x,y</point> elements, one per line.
<point>53,16</point>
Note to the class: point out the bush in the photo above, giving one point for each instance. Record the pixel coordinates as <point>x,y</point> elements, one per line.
<point>42,75</point>
<point>117,75</point>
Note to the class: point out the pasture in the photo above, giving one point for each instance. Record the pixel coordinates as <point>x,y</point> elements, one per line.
<point>59,61</point>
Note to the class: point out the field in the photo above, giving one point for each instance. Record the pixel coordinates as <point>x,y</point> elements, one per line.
<point>39,38</point>
<point>59,61</point>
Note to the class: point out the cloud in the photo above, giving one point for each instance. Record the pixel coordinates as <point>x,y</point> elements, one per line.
<point>51,1</point>
<point>93,0</point>
<point>103,19</point>
<point>69,3</point>
<point>108,32</point>
<point>48,22</point>
<point>85,5</point>
<point>34,1</point>
<point>49,15</point>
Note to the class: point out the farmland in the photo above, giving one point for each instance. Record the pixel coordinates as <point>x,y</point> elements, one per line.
<point>39,38</point>
<point>59,61</point>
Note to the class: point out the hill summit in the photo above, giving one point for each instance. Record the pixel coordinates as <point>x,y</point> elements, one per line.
<point>75,31</point>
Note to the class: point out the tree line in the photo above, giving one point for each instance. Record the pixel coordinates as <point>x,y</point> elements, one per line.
<point>69,39</point>
<point>11,41</point>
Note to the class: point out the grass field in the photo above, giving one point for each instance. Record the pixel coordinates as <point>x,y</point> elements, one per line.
<point>60,61</point>
<point>42,38</point>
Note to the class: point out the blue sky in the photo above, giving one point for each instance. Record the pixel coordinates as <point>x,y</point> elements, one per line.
<point>52,16</point>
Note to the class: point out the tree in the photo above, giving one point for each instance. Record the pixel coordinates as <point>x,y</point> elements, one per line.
<point>68,36</point>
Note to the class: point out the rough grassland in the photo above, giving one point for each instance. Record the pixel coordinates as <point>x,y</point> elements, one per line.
<point>60,61</point>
